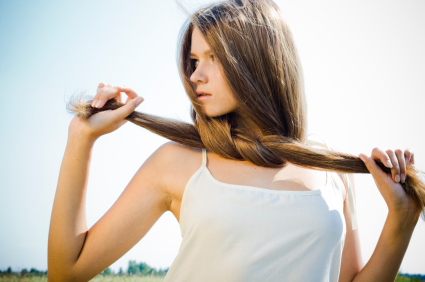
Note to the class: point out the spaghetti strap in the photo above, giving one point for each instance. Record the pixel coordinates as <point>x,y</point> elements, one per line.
<point>345,180</point>
<point>204,157</point>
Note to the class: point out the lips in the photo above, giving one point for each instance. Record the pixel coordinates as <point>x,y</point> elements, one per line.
<point>202,93</point>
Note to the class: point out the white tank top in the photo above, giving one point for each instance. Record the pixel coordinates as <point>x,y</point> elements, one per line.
<point>239,233</point>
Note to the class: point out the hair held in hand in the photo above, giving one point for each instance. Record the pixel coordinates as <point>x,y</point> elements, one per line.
<point>255,47</point>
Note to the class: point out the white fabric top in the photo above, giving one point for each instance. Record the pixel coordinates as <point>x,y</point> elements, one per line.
<point>244,233</point>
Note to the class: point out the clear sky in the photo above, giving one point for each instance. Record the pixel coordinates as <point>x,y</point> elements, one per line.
<point>364,67</point>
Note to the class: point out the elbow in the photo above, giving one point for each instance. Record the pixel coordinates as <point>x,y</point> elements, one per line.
<point>60,276</point>
<point>56,273</point>
<point>59,266</point>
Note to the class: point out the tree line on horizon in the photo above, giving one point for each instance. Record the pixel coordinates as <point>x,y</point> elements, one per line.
<point>143,269</point>
<point>139,269</point>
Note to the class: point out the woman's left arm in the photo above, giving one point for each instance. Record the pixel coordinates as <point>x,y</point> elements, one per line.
<point>403,214</point>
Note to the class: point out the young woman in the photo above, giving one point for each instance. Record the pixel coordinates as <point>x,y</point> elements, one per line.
<point>256,201</point>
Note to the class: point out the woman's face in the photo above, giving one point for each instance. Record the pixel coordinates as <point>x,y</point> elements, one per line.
<point>208,78</point>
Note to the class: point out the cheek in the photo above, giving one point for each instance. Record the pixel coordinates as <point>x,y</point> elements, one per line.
<point>219,81</point>
<point>221,87</point>
<point>217,72</point>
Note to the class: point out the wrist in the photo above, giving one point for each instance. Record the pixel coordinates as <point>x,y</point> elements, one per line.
<point>78,130</point>
<point>81,137</point>
<point>405,219</point>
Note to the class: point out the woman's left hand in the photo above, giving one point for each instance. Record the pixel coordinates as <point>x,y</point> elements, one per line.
<point>389,184</point>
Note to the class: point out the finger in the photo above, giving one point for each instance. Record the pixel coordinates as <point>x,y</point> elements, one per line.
<point>100,98</point>
<point>395,171</point>
<point>106,93</point>
<point>93,102</point>
<point>124,111</point>
<point>128,100</point>
<point>119,98</point>
<point>408,154</point>
<point>373,168</point>
<point>96,97</point>
<point>127,90</point>
<point>402,164</point>
<point>379,154</point>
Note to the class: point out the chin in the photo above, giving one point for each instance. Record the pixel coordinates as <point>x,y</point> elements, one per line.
<point>216,113</point>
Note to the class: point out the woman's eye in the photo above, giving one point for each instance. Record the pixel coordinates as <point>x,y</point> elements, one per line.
<point>194,62</point>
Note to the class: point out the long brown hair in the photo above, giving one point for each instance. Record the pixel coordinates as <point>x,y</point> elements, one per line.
<point>256,50</point>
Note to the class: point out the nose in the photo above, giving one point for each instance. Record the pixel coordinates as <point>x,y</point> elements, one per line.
<point>199,75</point>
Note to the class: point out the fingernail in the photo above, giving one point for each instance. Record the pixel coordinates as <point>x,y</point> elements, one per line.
<point>98,103</point>
<point>93,103</point>
<point>397,178</point>
<point>139,101</point>
<point>403,178</point>
<point>389,164</point>
<point>362,158</point>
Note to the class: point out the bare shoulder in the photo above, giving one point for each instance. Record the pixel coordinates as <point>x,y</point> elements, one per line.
<point>173,165</point>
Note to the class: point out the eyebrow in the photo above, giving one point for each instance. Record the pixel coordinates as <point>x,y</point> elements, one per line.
<point>205,52</point>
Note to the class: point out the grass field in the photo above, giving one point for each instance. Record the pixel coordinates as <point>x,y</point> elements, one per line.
<point>134,278</point>
<point>99,278</point>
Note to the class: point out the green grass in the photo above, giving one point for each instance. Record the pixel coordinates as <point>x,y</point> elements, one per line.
<point>133,278</point>
<point>128,278</point>
<point>99,278</point>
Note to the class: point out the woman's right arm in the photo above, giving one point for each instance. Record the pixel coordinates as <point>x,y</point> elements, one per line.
<point>76,253</point>
<point>68,225</point>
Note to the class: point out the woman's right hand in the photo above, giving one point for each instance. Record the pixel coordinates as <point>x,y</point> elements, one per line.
<point>107,121</point>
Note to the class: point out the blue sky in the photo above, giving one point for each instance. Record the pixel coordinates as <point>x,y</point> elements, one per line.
<point>364,69</point>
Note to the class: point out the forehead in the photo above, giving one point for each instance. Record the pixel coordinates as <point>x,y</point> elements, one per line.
<point>199,46</point>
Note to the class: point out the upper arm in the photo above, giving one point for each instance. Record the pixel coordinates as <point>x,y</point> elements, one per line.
<point>351,261</point>
<point>140,205</point>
